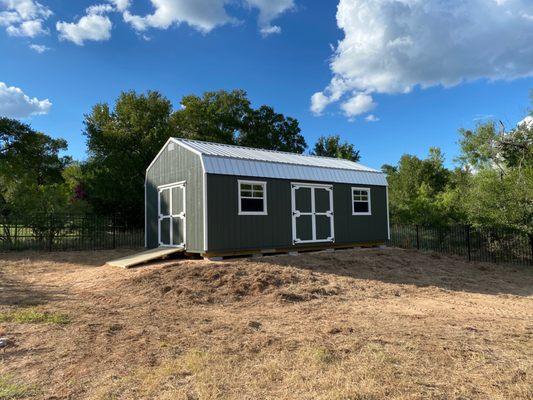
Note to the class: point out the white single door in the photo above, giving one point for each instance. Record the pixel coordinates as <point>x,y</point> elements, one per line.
<point>312,213</point>
<point>171,215</point>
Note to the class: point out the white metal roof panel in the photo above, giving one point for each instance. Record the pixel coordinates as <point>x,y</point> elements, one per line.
<point>235,160</point>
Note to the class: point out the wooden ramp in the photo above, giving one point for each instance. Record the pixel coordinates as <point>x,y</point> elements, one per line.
<point>144,256</point>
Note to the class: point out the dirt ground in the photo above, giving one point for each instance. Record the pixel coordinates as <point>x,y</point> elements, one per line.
<point>354,324</point>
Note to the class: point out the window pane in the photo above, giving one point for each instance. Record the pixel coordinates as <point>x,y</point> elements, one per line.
<point>258,194</point>
<point>258,187</point>
<point>245,186</point>
<point>360,195</point>
<point>252,205</point>
<point>360,206</point>
<point>246,194</point>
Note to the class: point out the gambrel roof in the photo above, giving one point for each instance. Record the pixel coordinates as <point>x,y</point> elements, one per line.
<point>244,161</point>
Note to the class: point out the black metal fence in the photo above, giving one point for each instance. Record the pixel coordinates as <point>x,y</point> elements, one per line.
<point>55,232</point>
<point>475,244</point>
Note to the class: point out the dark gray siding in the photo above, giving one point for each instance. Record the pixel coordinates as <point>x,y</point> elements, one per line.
<point>228,231</point>
<point>360,228</point>
<point>173,166</point>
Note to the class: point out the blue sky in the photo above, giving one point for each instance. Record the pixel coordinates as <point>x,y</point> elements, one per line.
<point>330,64</point>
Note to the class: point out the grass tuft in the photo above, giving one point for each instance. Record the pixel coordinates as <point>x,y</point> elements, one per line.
<point>323,355</point>
<point>31,316</point>
<point>9,389</point>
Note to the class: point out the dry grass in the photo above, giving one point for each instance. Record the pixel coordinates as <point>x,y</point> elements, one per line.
<point>358,324</point>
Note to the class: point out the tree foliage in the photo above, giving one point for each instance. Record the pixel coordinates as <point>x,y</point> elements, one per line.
<point>31,170</point>
<point>213,117</point>
<point>121,142</point>
<point>331,146</point>
<point>228,117</point>
<point>493,186</point>
<point>266,129</point>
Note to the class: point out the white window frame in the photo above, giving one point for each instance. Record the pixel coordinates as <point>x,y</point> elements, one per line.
<point>369,201</point>
<point>245,182</point>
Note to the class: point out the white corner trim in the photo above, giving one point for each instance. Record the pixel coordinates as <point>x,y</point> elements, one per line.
<point>145,211</point>
<point>369,201</point>
<point>265,203</point>
<point>388,217</point>
<point>204,199</point>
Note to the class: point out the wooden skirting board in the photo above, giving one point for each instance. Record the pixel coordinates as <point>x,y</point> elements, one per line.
<point>217,256</point>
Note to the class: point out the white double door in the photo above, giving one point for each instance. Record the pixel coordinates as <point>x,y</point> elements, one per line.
<point>171,223</point>
<point>312,213</point>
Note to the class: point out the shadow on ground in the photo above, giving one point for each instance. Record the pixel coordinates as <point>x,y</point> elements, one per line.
<point>94,258</point>
<point>19,293</point>
<point>411,267</point>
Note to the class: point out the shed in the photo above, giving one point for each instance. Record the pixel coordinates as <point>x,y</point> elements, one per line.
<point>218,199</point>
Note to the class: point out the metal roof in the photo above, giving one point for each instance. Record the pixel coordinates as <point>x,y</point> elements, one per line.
<point>245,161</point>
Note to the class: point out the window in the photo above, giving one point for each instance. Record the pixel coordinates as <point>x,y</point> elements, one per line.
<point>361,201</point>
<point>252,198</point>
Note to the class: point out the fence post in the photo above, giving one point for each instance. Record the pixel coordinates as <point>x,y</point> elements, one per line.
<point>50,237</point>
<point>530,236</point>
<point>15,240</point>
<point>114,221</point>
<point>417,238</point>
<point>468,242</point>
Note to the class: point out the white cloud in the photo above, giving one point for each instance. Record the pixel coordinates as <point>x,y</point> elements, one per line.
<point>319,101</point>
<point>39,48</point>
<point>268,11</point>
<point>99,9</point>
<point>27,9</point>
<point>8,18</point>
<point>392,46</point>
<point>359,103</point>
<point>24,17</point>
<point>203,15</point>
<point>15,104</point>
<point>270,30</point>
<point>90,27</point>
<point>371,118</point>
<point>30,28</point>
<point>527,121</point>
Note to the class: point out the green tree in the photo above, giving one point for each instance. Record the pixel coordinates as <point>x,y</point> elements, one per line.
<point>417,190</point>
<point>266,129</point>
<point>228,117</point>
<point>331,146</point>
<point>30,169</point>
<point>486,148</point>
<point>213,117</point>
<point>493,200</point>
<point>501,189</point>
<point>121,143</point>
